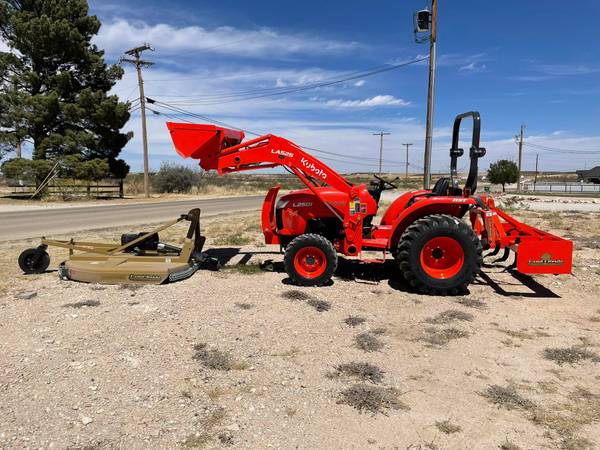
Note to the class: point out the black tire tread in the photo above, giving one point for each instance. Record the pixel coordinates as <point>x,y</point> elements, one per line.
<point>424,224</point>
<point>305,240</point>
<point>42,264</point>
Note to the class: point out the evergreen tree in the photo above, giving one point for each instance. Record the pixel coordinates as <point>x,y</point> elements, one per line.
<point>54,83</point>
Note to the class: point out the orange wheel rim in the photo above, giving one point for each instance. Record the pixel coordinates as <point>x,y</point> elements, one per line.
<point>310,262</point>
<point>442,257</point>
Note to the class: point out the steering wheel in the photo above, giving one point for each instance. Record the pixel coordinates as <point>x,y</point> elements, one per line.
<point>387,183</point>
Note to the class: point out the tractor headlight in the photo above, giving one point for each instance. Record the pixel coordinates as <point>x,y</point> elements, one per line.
<point>281,203</point>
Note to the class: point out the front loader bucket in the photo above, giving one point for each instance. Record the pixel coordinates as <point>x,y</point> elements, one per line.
<point>203,142</point>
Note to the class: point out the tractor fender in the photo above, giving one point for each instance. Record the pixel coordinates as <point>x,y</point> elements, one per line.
<point>268,226</point>
<point>426,206</point>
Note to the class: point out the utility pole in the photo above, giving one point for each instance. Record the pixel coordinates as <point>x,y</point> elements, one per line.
<point>430,95</point>
<point>18,150</point>
<point>537,155</point>
<point>136,53</point>
<point>407,145</point>
<point>381,134</point>
<point>520,142</point>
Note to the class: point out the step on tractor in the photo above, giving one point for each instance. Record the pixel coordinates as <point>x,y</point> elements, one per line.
<point>437,250</point>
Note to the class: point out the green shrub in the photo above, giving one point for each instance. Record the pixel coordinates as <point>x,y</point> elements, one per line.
<point>174,178</point>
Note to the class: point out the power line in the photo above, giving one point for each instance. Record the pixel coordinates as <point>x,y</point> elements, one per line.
<point>180,111</point>
<point>562,150</point>
<point>272,92</point>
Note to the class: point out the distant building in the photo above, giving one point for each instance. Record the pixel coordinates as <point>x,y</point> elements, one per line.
<point>589,176</point>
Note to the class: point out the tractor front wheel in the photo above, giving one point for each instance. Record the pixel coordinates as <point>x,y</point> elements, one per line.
<point>310,260</point>
<point>439,254</point>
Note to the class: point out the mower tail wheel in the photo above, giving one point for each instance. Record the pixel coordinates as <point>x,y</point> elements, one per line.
<point>440,255</point>
<point>34,260</point>
<point>310,260</point>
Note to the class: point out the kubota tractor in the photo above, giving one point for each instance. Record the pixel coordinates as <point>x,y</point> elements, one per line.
<point>437,251</point>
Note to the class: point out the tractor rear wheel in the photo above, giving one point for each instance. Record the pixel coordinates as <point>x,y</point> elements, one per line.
<point>440,255</point>
<point>310,260</point>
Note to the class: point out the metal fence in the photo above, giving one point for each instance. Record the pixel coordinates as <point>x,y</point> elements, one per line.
<point>575,188</point>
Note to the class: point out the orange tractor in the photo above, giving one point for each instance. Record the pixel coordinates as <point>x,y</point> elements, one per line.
<point>437,251</point>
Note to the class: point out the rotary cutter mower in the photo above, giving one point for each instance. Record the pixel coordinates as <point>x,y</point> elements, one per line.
<point>140,258</point>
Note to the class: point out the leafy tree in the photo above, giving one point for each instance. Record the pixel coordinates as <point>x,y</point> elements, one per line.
<point>174,178</point>
<point>54,82</point>
<point>502,172</point>
<point>27,170</point>
<point>93,170</point>
<point>118,168</point>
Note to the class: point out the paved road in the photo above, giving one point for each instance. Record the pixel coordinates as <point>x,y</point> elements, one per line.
<point>53,221</point>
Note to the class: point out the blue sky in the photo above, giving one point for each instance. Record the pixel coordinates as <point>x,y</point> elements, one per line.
<point>516,62</point>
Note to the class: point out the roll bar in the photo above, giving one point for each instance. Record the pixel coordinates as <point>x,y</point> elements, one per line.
<point>475,152</point>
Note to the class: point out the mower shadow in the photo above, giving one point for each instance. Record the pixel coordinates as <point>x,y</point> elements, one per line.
<point>226,254</point>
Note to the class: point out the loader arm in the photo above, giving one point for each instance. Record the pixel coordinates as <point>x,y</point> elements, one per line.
<point>221,149</point>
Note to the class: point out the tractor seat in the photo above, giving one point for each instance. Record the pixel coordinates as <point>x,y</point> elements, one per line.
<point>441,187</point>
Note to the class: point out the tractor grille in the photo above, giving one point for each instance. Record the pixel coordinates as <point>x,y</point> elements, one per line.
<point>279,218</point>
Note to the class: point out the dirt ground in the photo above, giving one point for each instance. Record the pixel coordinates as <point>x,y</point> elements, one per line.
<point>242,359</point>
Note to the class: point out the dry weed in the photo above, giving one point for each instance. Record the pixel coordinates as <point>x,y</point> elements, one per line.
<point>448,427</point>
<point>373,399</point>
<point>368,343</point>
<point>450,315</point>
<point>354,321</point>
<point>360,370</point>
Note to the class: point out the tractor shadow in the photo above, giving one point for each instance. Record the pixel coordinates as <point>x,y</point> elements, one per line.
<point>535,289</point>
<point>373,273</point>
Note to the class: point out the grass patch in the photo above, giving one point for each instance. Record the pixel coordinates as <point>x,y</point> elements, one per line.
<point>448,427</point>
<point>244,269</point>
<point>82,304</point>
<point>582,408</point>
<point>244,306</point>
<point>368,343</point>
<point>200,439</point>
<point>440,337</point>
<point>472,303</point>
<point>359,370</point>
<point>295,295</point>
<point>216,359</point>
<point>234,239</point>
<point>570,355</point>
<point>507,397</point>
<point>449,316</point>
<point>372,399</point>
<point>354,321</point>
<point>319,305</point>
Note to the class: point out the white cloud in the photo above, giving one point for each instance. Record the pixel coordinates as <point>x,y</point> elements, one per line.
<point>378,100</point>
<point>4,47</point>
<point>360,83</point>
<point>120,35</point>
<point>473,67</point>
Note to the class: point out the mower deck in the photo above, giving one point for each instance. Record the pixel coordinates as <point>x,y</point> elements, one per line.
<point>139,259</point>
